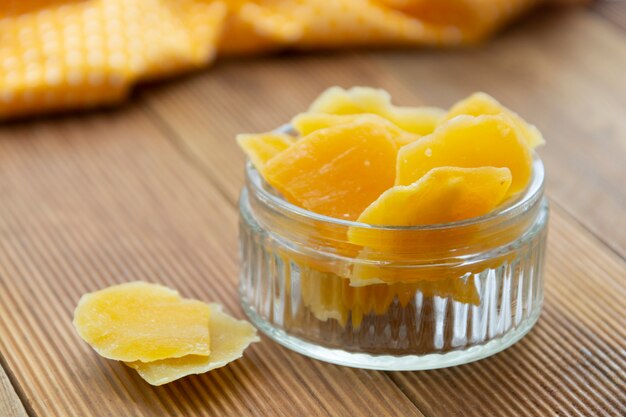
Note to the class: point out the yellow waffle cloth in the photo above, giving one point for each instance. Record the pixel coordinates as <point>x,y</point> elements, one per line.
<point>70,54</point>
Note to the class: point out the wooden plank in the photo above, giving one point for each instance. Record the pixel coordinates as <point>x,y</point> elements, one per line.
<point>10,404</point>
<point>97,200</point>
<point>570,86</point>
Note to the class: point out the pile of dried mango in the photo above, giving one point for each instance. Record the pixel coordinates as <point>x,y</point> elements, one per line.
<point>159,334</point>
<point>355,156</point>
<point>358,157</point>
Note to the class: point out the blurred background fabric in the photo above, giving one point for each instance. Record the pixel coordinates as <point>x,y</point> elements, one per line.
<point>71,54</point>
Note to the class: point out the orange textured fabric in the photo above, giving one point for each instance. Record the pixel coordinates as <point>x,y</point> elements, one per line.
<point>68,54</point>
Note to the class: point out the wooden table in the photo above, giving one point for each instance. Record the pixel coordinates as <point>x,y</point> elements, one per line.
<point>148,192</point>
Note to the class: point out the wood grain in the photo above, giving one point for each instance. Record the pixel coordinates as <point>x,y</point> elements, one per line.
<point>149,192</point>
<point>10,404</point>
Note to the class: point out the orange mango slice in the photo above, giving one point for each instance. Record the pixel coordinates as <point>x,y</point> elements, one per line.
<point>229,338</point>
<point>336,171</point>
<point>480,104</point>
<point>262,147</point>
<point>138,321</point>
<point>443,195</point>
<point>468,142</point>
<point>336,100</point>
<point>306,123</point>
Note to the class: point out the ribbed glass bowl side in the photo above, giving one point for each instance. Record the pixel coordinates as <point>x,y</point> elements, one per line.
<point>395,327</point>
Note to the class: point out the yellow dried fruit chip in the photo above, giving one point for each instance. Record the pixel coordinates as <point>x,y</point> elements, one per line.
<point>332,297</point>
<point>307,123</point>
<point>262,147</point>
<point>336,100</point>
<point>420,120</point>
<point>444,194</point>
<point>480,104</point>
<point>336,171</point>
<point>229,338</point>
<point>468,142</point>
<point>139,321</point>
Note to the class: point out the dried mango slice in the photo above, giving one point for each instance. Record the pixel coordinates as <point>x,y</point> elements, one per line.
<point>306,123</point>
<point>480,103</point>
<point>336,171</point>
<point>443,195</point>
<point>336,100</point>
<point>139,321</point>
<point>262,147</point>
<point>468,142</point>
<point>329,296</point>
<point>229,338</point>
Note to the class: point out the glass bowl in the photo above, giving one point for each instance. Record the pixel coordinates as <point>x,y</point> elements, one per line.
<point>416,298</point>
